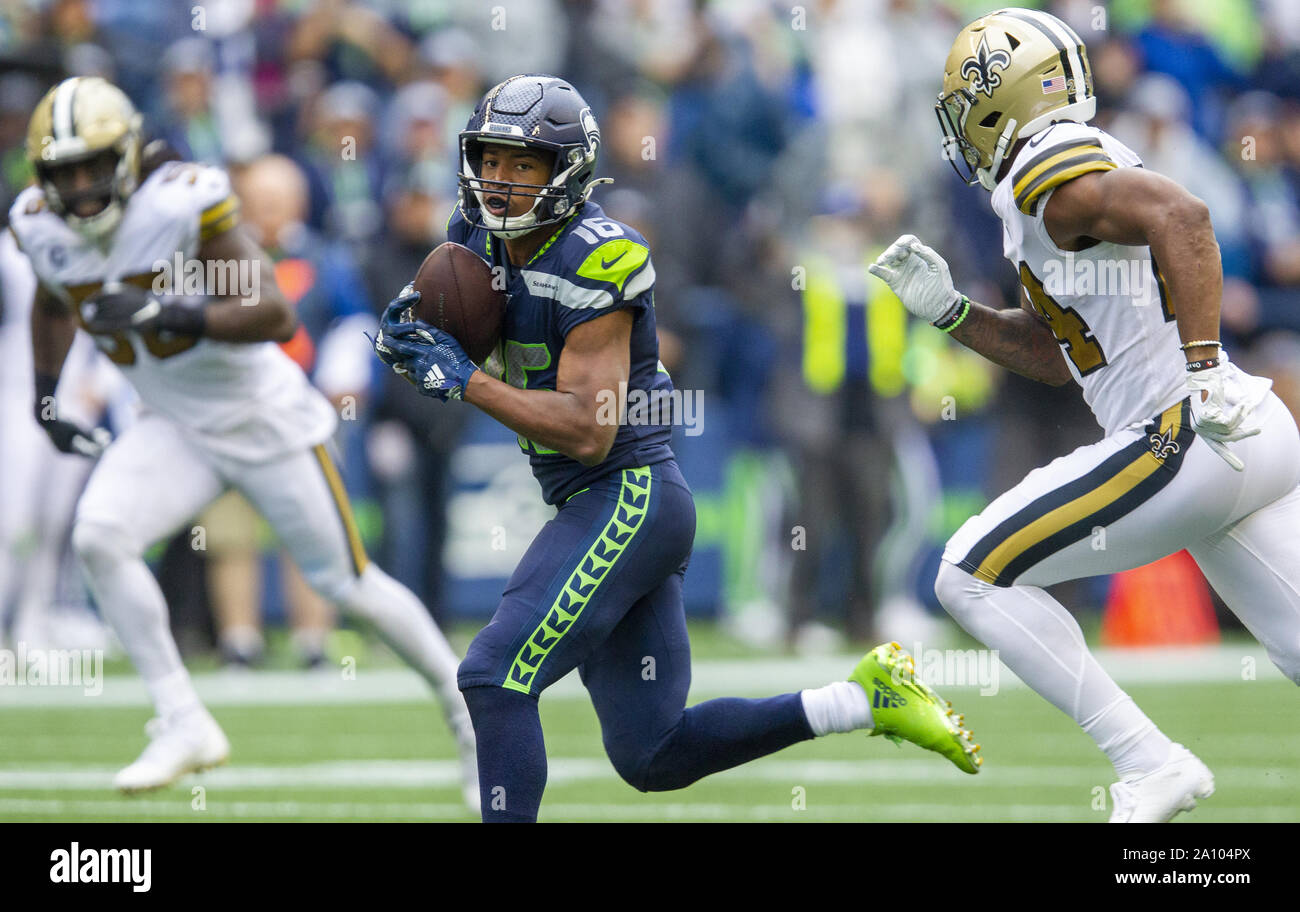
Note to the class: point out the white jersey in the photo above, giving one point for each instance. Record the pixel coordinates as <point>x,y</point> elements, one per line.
<point>1106,305</point>
<point>246,401</point>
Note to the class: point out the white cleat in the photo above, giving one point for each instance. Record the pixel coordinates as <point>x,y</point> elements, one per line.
<point>188,743</point>
<point>1164,792</point>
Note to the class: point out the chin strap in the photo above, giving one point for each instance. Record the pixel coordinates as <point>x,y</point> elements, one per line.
<point>989,177</point>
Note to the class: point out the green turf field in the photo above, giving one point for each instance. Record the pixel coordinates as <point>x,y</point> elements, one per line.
<point>378,751</point>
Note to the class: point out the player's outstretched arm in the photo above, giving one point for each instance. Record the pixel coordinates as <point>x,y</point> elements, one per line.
<point>1134,206</point>
<point>595,359</point>
<point>53,328</point>
<point>1015,339</point>
<point>269,316</point>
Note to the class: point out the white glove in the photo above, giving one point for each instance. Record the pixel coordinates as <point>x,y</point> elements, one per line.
<point>919,277</point>
<point>1223,399</point>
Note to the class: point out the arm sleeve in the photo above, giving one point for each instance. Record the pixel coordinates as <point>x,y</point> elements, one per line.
<point>615,275</point>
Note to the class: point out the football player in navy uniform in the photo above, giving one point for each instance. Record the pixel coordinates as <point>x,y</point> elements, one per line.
<point>600,588</point>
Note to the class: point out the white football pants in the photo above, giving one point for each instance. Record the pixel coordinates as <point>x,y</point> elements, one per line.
<point>1130,499</point>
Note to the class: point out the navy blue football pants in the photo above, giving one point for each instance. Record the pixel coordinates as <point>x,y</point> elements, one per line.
<point>600,590</point>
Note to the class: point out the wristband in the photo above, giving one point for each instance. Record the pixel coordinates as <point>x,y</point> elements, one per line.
<point>1203,364</point>
<point>955,318</point>
<point>1199,343</point>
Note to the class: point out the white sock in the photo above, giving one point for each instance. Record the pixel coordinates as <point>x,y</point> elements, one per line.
<point>1042,643</point>
<point>1132,742</point>
<point>839,707</point>
<point>132,604</point>
<point>174,695</point>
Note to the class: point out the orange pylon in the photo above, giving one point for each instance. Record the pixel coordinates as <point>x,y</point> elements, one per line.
<point>1166,603</point>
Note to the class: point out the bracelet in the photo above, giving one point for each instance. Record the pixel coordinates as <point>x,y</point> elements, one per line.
<point>1198,343</point>
<point>963,309</point>
<point>1203,364</point>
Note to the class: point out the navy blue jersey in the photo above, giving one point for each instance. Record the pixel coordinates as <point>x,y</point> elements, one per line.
<point>592,266</point>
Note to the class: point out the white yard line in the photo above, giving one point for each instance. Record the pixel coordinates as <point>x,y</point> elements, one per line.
<point>420,774</point>
<point>936,811</point>
<point>719,677</point>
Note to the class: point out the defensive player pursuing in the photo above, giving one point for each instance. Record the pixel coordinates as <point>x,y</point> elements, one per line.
<point>599,589</point>
<point>1197,454</point>
<point>224,405</point>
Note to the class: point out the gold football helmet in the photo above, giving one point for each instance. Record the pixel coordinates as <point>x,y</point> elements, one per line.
<point>86,120</point>
<point>1010,75</point>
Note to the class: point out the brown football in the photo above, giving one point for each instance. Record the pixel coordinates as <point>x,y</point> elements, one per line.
<point>458,296</point>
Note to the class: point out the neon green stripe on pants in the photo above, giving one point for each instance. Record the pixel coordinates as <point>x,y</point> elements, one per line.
<point>582,585</point>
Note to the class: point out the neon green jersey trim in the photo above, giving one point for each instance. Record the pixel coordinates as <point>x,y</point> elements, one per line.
<point>614,261</point>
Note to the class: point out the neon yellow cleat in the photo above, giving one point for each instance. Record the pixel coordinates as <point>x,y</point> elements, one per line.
<point>904,708</point>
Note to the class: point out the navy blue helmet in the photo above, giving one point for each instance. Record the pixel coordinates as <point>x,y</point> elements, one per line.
<point>537,112</point>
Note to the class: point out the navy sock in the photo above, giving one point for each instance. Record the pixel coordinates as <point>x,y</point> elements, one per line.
<point>511,753</point>
<point>719,734</point>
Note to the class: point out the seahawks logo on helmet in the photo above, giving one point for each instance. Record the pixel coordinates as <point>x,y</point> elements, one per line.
<point>589,127</point>
<point>981,70</point>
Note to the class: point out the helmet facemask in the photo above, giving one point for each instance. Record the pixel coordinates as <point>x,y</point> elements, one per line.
<point>86,122</point>
<point>552,201</point>
<point>952,110</point>
<point>113,188</point>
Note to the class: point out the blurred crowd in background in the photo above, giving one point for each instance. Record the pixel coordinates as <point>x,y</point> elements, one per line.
<point>768,151</point>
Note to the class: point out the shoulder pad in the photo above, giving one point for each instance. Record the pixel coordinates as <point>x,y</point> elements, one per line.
<point>28,203</point>
<point>1059,154</point>
<point>190,190</point>
<point>34,226</point>
<point>621,262</point>
<point>602,253</point>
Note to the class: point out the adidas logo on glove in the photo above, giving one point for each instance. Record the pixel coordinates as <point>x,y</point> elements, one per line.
<point>435,378</point>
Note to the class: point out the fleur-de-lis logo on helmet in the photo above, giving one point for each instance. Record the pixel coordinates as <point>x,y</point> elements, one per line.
<point>980,70</point>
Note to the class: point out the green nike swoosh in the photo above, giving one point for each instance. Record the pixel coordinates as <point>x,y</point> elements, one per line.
<point>604,265</point>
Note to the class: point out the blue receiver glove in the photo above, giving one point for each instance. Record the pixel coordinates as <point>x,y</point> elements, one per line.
<point>430,359</point>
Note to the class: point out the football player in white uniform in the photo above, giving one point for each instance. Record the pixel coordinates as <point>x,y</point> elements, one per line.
<point>1123,280</point>
<point>224,406</point>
